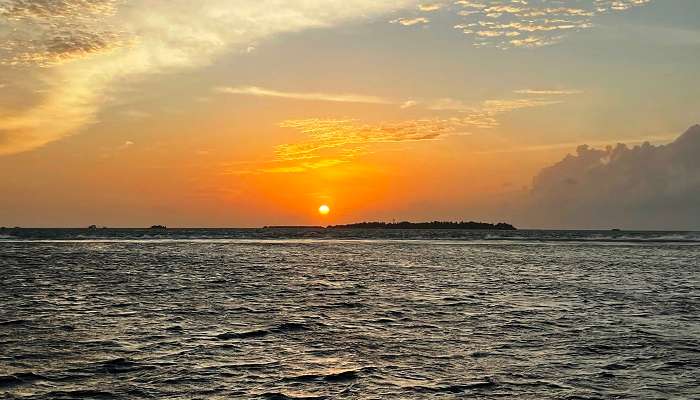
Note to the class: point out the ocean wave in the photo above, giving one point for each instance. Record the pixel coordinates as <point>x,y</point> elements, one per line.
<point>80,394</point>
<point>332,375</point>
<point>487,383</point>
<point>255,334</point>
<point>302,236</point>
<point>285,396</point>
<point>350,319</point>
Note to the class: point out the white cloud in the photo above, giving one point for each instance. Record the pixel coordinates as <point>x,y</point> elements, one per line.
<point>533,23</point>
<point>409,104</point>
<point>410,21</point>
<point>489,107</point>
<point>125,145</point>
<point>547,92</point>
<point>430,7</point>
<point>342,98</point>
<point>80,49</point>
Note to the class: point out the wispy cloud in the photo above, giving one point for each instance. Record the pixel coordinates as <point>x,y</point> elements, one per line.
<point>410,21</point>
<point>303,167</point>
<point>79,50</point>
<point>312,96</point>
<point>430,7</point>
<point>135,114</point>
<point>345,139</point>
<point>125,145</point>
<point>548,92</point>
<point>657,139</point>
<point>330,142</point>
<point>323,134</point>
<point>489,107</point>
<point>533,23</point>
<point>409,104</point>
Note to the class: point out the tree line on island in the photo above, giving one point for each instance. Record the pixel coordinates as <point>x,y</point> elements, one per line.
<point>426,225</point>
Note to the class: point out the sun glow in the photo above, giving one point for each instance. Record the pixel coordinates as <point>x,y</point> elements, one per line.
<point>324,210</point>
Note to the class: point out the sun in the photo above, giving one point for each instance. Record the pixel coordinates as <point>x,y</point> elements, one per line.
<point>324,210</point>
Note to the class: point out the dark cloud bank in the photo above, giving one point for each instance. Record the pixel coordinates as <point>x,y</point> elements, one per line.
<point>643,187</point>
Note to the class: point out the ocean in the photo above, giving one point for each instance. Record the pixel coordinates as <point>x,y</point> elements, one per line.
<point>348,314</point>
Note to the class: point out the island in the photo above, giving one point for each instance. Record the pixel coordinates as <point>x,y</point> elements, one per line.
<point>501,226</point>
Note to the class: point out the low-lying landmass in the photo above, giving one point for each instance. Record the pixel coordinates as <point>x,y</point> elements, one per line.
<point>427,225</point>
<point>410,225</point>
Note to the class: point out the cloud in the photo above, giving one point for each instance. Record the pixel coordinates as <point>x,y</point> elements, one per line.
<point>642,187</point>
<point>48,32</point>
<point>429,7</point>
<point>408,104</point>
<point>547,92</point>
<point>344,139</point>
<point>618,5</point>
<point>489,108</point>
<point>303,167</point>
<point>569,145</point>
<point>78,51</point>
<point>125,145</point>
<point>534,23</point>
<point>135,114</point>
<point>410,21</point>
<point>343,98</point>
<point>325,134</point>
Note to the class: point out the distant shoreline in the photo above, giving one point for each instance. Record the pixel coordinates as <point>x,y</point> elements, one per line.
<point>471,225</point>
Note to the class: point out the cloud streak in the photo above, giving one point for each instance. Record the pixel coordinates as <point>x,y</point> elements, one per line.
<point>340,98</point>
<point>410,21</point>
<point>548,92</point>
<point>430,7</point>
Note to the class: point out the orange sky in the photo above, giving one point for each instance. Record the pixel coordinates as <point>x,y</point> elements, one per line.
<point>205,114</point>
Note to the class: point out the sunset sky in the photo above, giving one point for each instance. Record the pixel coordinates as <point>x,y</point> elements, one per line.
<point>218,113</point>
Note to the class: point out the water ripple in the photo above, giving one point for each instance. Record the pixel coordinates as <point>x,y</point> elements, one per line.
<point>349,319</point>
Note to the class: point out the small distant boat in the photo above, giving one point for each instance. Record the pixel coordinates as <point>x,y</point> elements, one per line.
<point>158,227</point>
<point>92,227</point>
<point>616,230</point>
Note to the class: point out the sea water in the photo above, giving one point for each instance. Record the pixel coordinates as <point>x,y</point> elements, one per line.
<point>348,314</point>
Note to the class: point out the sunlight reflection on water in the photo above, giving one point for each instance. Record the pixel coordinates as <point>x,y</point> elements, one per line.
<point>339,318</point>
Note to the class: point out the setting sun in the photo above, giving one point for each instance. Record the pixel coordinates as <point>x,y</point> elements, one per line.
<point>324,210</point>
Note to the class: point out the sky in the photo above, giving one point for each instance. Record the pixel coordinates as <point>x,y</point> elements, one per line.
<point>214,113</point>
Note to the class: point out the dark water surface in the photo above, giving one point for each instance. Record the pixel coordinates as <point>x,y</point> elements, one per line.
<point>125,314</point>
